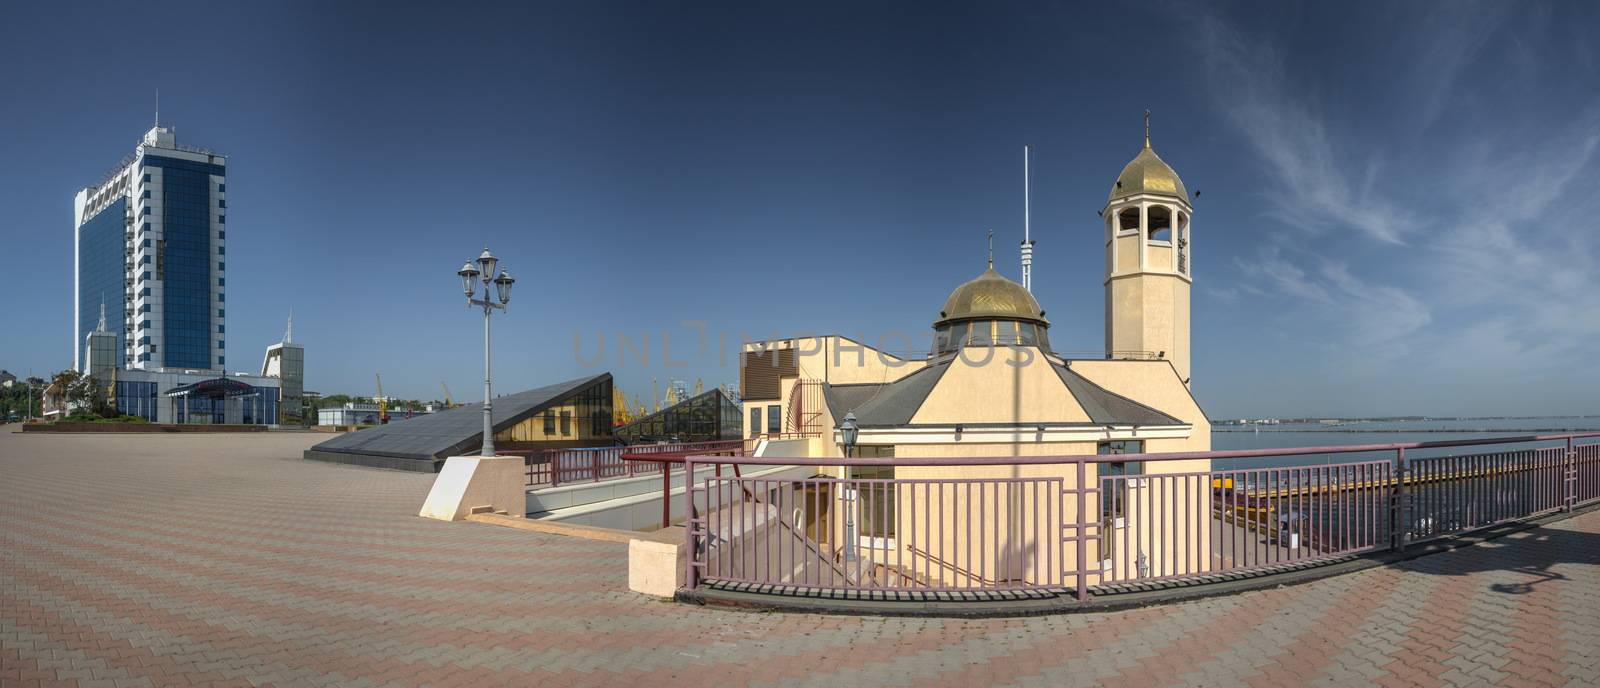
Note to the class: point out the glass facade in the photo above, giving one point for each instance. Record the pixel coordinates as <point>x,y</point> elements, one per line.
<point>709,416</point>
<point>101,252</point>
<point>137,399</point>
<point>952,337</point>
<point>583,415</point>
<point>1115,494</point>
<point>292,373</point>
<point>875,510</point>
<point>253,405</point>
<point>259,407</point>
<point>185,262</point>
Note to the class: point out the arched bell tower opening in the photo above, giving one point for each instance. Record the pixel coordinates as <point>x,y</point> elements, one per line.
<point>1148,262</point>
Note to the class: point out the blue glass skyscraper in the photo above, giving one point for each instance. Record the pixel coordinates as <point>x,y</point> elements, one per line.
<point>150,245</point>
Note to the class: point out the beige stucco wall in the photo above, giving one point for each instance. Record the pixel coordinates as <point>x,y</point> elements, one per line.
<point>1147,299</point>
<point>835,360</point>
<point>1153,383</point>
<point>842,361</point>
<point>1125,253</point>
<point>1014,385</point>
<point>1158,256</point>
<point>990,530</point>
<point>1149,312</point>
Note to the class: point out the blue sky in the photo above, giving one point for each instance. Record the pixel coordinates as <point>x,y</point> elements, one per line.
<point>1392,218</point>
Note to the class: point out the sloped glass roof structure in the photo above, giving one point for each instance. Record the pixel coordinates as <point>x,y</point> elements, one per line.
<point>423,443</point>
<point>706,417</point>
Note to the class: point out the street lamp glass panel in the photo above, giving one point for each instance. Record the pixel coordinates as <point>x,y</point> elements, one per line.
<point>469,278</point>
<point>486,265</point>
<point>848,430</point>
<point>502,284</point>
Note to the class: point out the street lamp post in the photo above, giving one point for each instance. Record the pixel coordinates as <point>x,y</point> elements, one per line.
<point>470,274</point>
<point>848,432</point>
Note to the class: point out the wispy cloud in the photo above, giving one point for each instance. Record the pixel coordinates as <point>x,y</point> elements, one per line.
<point>1455,33</point>
<point>1287,132</point>
<point>1477,241</point>
<point>1379,318</point>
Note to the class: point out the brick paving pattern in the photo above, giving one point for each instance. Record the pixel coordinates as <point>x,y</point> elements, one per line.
<point>148,560</point>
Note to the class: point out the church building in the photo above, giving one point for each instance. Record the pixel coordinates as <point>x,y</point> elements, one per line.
<point>992,386</point>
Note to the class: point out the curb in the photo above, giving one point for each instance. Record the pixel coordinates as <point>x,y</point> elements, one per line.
<point>1051,602</point>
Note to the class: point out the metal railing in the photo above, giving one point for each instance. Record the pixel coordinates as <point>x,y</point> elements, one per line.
<point>804,418</point>
<point>1077,525</point>
<point>556,467</point>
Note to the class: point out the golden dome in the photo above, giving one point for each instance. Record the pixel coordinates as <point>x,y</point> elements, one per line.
<point>1148,173</point>
<point>989,297</point>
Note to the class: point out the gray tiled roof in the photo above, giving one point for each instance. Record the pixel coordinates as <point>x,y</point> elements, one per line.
<point>886,405</point>
<point>895,403</point>
<point>452,431</point>
<point>1109,408</point>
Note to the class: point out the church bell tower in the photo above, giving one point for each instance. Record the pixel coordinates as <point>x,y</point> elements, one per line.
<point>1149,270</point>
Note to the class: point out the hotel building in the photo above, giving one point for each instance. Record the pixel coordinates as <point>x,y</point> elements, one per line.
<point>150,293</point>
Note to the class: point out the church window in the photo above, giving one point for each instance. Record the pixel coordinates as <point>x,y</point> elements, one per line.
<point>958,335</point>
<point>982,333</point>
<point>1006,332</point>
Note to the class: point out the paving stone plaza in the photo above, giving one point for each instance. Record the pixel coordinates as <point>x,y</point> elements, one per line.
<point>160,560</point>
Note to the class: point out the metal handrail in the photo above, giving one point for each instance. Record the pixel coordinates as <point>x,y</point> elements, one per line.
<point>1264,517</point>
<point>918,551</point>
<point>1144,457</point>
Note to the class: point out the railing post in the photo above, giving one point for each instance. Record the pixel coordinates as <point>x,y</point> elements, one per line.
<point>1397,506</point>
<point>554,464</point>
<point>689,520</point>
<point>1081,533</point>
<point>666,491</point>
<point>1569,475</point>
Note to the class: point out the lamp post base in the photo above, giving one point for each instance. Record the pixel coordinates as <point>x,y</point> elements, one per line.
<point>466,483</point>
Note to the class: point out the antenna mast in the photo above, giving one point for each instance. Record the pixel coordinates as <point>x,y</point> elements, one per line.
<point>1027,217</point>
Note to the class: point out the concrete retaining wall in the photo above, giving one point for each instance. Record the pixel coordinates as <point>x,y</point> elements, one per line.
<point>137,427</point>
<point>373,461</point>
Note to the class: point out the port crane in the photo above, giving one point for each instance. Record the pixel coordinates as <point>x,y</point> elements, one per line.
<point>448,401</point>
<point>383,402</point>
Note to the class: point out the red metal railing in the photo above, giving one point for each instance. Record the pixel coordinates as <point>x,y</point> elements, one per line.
<point>556,467</point>
<point>1070,527</point>
<point>804,418</point>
